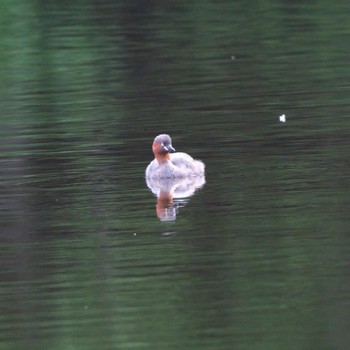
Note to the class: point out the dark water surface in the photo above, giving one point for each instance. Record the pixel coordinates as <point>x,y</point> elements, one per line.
<point>258,258</point>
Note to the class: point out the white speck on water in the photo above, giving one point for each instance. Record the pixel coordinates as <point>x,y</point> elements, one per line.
<point>282,118</point>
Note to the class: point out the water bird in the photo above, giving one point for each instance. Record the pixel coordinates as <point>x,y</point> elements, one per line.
<point>172,165</point>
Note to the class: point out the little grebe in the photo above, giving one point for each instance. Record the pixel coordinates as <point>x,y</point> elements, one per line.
<point>171,165</point>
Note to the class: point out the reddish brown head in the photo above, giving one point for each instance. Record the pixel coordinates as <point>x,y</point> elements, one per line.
<point>162,147</point>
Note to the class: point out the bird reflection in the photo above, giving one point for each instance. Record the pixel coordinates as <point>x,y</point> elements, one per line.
<point>173,193</point>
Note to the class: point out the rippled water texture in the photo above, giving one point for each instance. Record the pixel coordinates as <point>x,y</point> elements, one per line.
<point>255,256</point>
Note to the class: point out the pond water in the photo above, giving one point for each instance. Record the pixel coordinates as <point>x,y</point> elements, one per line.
<point>257,257</point>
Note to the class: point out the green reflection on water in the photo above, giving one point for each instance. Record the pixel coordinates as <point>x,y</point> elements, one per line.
<point>258,258</point>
